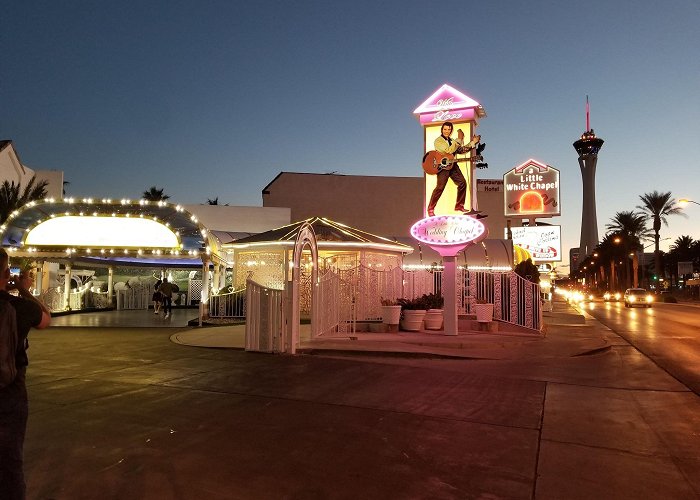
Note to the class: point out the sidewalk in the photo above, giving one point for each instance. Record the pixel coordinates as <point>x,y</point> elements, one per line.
<point>566,336</point>
<point>575,414</point>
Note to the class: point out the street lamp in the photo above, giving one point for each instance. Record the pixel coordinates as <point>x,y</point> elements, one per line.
<point>684,201</point>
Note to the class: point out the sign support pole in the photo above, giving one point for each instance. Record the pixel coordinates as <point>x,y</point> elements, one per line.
<point>449,292</point>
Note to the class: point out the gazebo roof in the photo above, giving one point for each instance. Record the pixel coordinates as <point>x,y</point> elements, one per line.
<point>142,231</point>
<point>329,234</point>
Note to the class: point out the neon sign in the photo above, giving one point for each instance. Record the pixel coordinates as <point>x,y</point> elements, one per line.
<point>448,103</point>
<point>448,230</point>
<point>531,188</point>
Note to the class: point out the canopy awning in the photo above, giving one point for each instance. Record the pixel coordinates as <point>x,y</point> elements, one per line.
<point>494,254</point>
<point>329,234</point>
<point>143,232</point>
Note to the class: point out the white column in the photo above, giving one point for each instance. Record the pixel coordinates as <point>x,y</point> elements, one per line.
<point>449,292</point>
<point>217,277</point>
<point>39,283</point>
<point>205,282</point>
<point>204,297</point>
<point>222,277</point>
<point>110,285</point>
<point>66,288</point>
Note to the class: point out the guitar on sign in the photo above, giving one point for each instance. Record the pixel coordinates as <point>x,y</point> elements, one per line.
<point>435,161</point>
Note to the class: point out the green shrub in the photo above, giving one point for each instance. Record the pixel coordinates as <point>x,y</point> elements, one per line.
<point>425,301</point>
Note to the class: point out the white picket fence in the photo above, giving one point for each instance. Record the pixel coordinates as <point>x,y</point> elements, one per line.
<point>265,319</point>
<point>341,300</point>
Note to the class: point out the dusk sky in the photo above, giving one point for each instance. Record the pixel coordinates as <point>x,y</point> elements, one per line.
<point>213,99</point>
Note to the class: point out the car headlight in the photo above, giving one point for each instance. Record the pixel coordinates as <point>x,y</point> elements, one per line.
<point>606,296</point>
<point>617,296</point>
<point>631,298</point>
<point>650,299</point>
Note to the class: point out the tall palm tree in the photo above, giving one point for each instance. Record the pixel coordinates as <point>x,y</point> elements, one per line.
<point>632,224</point>
<point>155,194</point>
<point>657,206</point>
<point>12,196</point>
<point>683,245</point>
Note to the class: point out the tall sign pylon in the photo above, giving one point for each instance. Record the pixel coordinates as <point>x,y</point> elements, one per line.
<point>587,148</point>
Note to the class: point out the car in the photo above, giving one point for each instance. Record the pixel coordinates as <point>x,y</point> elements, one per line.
<point>638,297</point>
<point>612,296</point>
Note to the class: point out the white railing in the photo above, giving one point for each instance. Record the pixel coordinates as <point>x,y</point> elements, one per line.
<point>136,297</point>
<point>228,305</point>
<point>515,299</point>
<point>344,298</point>
<point>81,298</point>
<point>264,325</point>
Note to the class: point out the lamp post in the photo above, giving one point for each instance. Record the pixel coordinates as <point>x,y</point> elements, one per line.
<point>684,201</point>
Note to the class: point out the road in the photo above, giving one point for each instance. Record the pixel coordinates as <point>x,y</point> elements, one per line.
<point>669,334</point>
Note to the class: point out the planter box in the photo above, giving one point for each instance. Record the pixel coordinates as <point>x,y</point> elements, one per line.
<point>434,319</point>
<point>413,319</point>
<point>391,315</point>
<point>484,312</point>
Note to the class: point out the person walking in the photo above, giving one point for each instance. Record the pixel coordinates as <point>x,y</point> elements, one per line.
<point>14,408</point>
<point>166,291</point>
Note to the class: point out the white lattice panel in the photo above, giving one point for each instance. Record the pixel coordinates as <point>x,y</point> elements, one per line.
<point>265,268</point>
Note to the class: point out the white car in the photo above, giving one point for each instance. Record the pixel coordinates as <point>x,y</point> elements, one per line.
<point>638,297</point>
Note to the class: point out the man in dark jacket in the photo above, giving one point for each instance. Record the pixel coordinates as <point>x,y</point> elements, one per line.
<point>14,407</point>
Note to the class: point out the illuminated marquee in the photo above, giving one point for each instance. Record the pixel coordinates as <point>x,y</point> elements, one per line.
<point>448,230</point>
<point>531,189</point>
<point>448,104</point>
<point>543,242</point>
<point>104,231</point>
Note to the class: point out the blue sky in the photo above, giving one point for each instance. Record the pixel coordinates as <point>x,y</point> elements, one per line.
<point>213,99</point>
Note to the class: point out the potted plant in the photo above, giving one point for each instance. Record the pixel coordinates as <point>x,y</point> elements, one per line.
<point>412,313</point>
<point>434,317</point>
<point>391,311</point>
<point>483,311</point>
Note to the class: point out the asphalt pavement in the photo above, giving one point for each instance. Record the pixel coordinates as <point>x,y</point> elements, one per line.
<point>174,412</point>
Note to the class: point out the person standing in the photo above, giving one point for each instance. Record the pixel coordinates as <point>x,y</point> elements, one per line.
<point>445,144</point>
<point>157,297</point>
<point>14,407</point>
<point>166,292</point>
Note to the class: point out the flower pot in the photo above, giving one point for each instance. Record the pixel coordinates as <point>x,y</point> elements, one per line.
<point>413,319</point>
<point>391,315</point>
<point>433,319</point>
<point>484,312</point>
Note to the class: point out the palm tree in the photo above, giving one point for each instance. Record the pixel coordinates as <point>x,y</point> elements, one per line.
<point>155,194</point>
<point>629,227</point>
<point>12,196</point>
<point>630,223</point>
<point>657,206</point>
<point>683,249</point>
<point>608,252</point>
<point>215,201</point>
